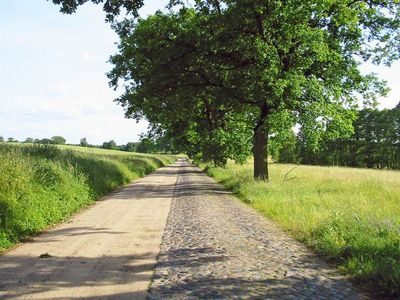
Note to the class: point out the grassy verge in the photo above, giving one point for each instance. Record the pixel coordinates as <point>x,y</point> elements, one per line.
<point>351,216</point>
<point>42,185</point>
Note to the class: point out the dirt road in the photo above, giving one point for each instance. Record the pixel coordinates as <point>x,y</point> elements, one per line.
<point>210,246</point>
<point>106,252</point>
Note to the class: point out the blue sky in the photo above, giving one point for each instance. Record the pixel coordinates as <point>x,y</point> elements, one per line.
<point>52,74</point>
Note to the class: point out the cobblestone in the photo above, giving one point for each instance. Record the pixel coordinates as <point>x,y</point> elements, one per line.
<point>215,247</point>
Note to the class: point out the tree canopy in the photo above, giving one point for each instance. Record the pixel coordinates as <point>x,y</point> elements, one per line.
<point>58,140</point>
<point>225,76</point>
<point>83,142</point>
<point>264,62</point>
<point>112,8</point>
<point>375,143</point>
<point>111,145</point>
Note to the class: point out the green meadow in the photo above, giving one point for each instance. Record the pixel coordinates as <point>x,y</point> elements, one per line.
<point>42,185</point>
<point>349,216</point>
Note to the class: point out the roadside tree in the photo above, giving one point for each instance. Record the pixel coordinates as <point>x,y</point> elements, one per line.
<point>259,58</point>
<point>256,59</point>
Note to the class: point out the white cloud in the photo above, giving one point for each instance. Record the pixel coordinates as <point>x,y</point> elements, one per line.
<point>53,75</point>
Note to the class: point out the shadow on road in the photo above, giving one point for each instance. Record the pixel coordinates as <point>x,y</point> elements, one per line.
<point>234,286</point>
<point>55,273</point>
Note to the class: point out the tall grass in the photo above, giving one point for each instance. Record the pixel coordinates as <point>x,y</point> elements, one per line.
<point>351,216</point>
<point>42,185</point>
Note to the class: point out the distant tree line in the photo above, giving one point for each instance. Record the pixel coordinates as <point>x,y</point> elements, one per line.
<point>55,140</point>
<point>151,142</point>
<point>375,143</point>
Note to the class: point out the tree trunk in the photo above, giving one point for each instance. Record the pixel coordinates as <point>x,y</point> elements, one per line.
<point>260,153</point>
<point>206,154</point>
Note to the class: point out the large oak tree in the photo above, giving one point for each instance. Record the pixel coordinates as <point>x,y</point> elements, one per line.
<point>259,59</point>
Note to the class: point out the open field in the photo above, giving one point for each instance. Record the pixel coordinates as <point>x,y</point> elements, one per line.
<point>92,150</point>
<point>350,216</point>
<point>43,185</point>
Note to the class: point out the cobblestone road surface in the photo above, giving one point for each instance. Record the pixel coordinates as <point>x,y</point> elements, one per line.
<point>215,247</point>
